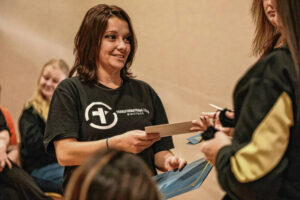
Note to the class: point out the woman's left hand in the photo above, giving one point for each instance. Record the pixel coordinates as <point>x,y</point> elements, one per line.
<point>166,160</point>
<point>211,148</point>
<point>174,162</point>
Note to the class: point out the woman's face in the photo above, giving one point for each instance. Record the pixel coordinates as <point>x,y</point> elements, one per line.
<point>50,78</point>
<point>270,9</point>
<point>115,45</point>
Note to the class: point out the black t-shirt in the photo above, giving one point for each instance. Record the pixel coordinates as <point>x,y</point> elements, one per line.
<point>32,151</point>
<point>94,112</point>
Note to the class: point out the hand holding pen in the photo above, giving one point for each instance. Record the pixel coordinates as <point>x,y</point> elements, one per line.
<point>221,120</point>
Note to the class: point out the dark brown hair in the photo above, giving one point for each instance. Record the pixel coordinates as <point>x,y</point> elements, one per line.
<point>88,41</point>
<point>265,34</point>
<point>289,11</point>
<point>112,175</point>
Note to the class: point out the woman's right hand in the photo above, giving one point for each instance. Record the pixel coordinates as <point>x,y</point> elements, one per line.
<point>134,141</point>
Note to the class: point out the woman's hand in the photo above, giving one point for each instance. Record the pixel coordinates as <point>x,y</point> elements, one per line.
<point>13,154</point>
<point>174,162</point>
<point>70,151</point>
<point>4,161</point>
<point>135,141</point>
<point>218,125</point>
<point>211,148</point>
<point>4,141</point>
<point>166,160</point>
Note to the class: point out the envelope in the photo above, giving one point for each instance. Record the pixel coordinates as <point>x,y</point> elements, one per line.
<point>170,129</point>
<point>195,139</point>
<point>175,182</point>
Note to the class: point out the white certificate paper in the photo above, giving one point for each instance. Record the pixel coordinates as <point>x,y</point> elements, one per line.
<point>170,129</point>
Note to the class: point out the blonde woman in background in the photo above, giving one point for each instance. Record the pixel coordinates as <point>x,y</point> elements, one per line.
<point>42,166</point>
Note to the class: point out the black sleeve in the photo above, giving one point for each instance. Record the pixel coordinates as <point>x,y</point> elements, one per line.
<point>160,117</point>
<point>63,121</point>
<point>255,162</point>
<point>32,129</point>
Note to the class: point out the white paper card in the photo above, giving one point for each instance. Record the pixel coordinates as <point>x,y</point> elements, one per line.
<point>170,129</point>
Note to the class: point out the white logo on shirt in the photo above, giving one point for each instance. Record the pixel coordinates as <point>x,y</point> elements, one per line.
<point>101,110</point>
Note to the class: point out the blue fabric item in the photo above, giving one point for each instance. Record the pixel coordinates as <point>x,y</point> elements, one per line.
<point>175,182</point>
<point>195,139</point>
<point>49,178</point>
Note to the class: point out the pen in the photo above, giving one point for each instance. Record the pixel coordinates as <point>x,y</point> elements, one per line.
<point>216,107</point>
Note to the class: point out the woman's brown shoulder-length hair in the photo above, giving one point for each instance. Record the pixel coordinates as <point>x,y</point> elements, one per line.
<point>88,41</point>
<point>265,33</point>
<point>289,11</point>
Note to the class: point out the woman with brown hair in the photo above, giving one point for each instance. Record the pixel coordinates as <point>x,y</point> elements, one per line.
<point>110,175</point>
<point>261,161</point>
<point>267,35</point>
<point>32,123</point>
<point>289,12</point>
<point>104,107</point>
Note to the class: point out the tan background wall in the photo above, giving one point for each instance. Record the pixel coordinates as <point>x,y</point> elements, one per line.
<point>192,52</point>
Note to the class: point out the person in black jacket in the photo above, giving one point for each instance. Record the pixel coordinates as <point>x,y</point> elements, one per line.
<point>262,159</point>
<point>42,166</point>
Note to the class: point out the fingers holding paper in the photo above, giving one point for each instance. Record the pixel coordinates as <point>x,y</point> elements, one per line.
<point>136,141</point>
<point>211,148</point>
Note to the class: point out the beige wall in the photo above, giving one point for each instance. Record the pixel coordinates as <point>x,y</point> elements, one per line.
<point>192,52</point>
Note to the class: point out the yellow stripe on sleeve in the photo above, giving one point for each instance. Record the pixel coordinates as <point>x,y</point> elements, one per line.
<point>268,144</point>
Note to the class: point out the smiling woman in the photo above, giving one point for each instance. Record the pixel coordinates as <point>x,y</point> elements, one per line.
<point>50,77</point>
<point>114,51</point>
<point>32,123</point>
<point>104,107</point>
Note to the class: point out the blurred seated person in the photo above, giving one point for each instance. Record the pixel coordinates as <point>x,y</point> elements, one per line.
<point>15,183</point>
<point>42,166</point>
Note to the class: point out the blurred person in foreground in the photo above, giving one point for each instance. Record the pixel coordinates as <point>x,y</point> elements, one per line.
<point>110,175</point>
